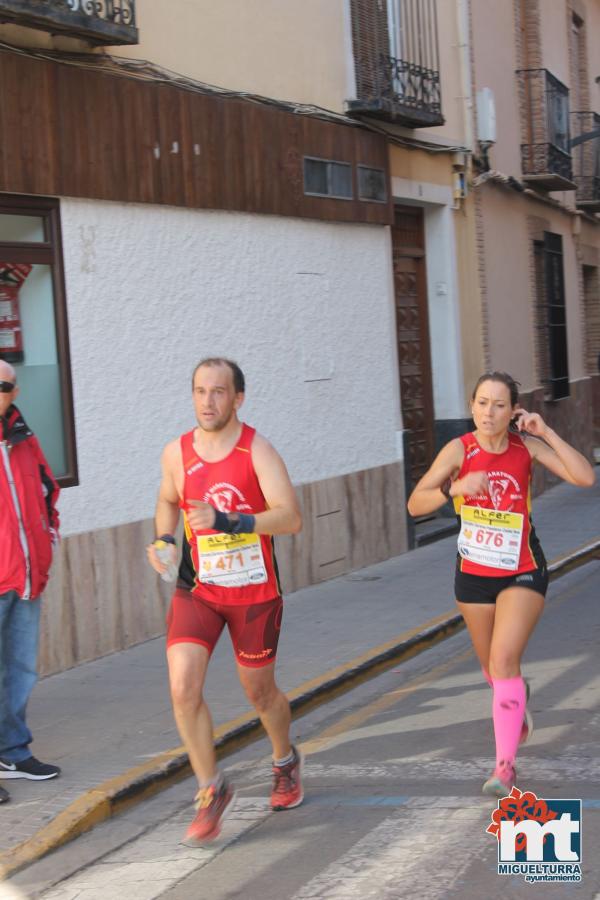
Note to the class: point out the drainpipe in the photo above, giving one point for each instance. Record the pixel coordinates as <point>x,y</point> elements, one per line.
<point>464,55</point>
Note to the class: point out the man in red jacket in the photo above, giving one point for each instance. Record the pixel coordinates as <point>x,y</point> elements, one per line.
<point>28,531</point>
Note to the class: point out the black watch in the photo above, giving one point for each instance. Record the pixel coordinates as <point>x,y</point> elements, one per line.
<point>445,488</point>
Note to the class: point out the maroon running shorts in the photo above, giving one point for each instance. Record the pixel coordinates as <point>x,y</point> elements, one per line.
<point>254,629</point>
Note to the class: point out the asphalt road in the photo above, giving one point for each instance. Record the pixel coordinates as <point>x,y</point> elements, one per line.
<point>393,776</point>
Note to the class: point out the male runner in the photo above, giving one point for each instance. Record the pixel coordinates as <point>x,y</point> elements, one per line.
<point>235,492</point>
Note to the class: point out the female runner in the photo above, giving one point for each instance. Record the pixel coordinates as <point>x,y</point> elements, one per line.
<point>501,576</point>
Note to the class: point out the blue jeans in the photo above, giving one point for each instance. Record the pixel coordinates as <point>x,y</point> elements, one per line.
<point>19,639</point>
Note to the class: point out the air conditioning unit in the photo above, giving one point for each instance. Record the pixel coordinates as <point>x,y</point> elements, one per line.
<point>486,116</point>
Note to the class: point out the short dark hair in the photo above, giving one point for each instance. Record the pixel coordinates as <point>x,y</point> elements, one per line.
<point>504,378</point>
<point>239,382</point>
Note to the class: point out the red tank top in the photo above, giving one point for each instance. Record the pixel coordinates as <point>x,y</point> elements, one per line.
<point>509,474</point>
<point>229,569</point>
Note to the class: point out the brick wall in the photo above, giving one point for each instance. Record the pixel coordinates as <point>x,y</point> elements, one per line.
<point>591,304</point>
<point>578,56</point>
<point>481,268</point>
<point>570,418</point>
<point>528,39</point>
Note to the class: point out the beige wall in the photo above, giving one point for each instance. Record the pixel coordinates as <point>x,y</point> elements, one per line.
<point>296,50</point>
<point>510,288</point>
<point>495,64</point>
<point>453,90</point>
<point>420,165</point>
<point>509,301</point>
<point>292,50</point>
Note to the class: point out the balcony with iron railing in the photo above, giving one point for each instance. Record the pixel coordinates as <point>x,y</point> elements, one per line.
<point>404,92</point>
<point>107,22</point>
<point>585,148</point>
<point>545,140</point>
<point>396,60</point>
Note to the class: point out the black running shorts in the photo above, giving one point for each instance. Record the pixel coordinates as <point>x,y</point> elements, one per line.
<point>484,589</point>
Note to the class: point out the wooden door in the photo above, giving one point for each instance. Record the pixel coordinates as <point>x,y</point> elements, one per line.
<point>412,333</point>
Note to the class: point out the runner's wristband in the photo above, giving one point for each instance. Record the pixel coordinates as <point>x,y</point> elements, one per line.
<point>167,539</point>
<point>234,523</point>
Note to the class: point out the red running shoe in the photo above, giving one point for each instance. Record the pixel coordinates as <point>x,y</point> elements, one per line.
<point>212,805</point>
<point>287,784</point>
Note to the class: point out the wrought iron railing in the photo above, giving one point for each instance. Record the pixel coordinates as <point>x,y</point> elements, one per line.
<point>544,104</point>
<point>119,12</point>
<point>586,158</point>
<point>396,57</point>
<point>410,85</point>
<point>99,21</point>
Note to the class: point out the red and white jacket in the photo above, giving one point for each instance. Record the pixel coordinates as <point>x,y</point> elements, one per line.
<point>28,515</point>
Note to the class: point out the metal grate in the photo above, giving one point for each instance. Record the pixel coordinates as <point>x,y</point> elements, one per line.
<point>545,138</point>
<point>586,158</point>
<point>98,21</point>
<point>552,316</point>
<point>120,12</point>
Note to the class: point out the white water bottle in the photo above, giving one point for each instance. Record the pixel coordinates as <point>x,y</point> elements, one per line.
<point>164,553</point>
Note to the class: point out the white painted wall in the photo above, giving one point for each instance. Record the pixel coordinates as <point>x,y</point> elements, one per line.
<point>305,307</point>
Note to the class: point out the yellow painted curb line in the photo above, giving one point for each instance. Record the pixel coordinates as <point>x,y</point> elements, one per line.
<point>142,781</point>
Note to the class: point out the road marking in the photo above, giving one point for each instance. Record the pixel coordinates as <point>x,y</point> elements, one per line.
<point>147,867</point>
<point>566,767</point>
<point>394,850</point>
<point>327,737</point>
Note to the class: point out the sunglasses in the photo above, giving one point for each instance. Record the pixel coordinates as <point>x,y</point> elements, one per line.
<point>6,387</point>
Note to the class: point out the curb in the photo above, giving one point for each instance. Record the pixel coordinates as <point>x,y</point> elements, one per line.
<point>142,781</point>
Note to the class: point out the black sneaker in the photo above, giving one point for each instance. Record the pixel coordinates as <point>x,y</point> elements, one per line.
<point>30,768</point>
<point>4,795</point>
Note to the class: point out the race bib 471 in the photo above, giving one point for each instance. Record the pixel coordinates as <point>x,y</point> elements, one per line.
<point>230,560</point>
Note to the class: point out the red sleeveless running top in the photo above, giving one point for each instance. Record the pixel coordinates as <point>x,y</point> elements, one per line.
<point>509,474</point>
<point>229,569</point>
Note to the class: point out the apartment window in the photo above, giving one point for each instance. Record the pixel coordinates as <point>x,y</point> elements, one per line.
<point>328,178</point>
<point>371,184</point>
<point>33,325</point>
<point>551,316</point>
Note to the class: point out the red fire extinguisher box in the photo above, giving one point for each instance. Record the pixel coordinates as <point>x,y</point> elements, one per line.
<point>12,276</point>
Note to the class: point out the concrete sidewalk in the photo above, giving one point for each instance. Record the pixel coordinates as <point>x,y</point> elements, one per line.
<point>101,719</point>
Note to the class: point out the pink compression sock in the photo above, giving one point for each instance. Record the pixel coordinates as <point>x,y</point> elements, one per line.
<point>508,709</point>
<point>487,677</point>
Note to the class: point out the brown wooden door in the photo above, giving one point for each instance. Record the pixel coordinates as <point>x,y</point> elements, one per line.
<point>412,333</point>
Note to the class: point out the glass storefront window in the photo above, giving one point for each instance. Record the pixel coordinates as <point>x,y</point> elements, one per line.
<point>33,326</point>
